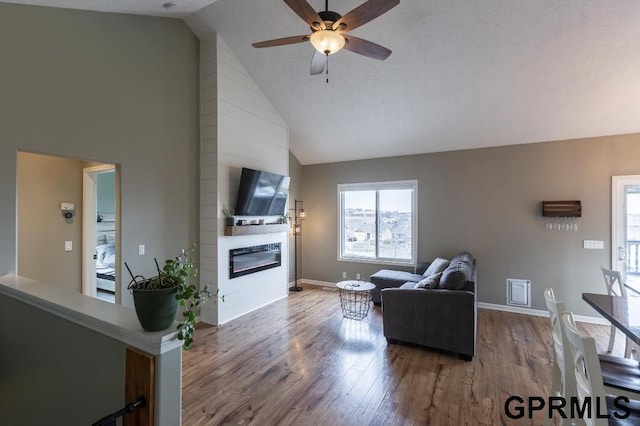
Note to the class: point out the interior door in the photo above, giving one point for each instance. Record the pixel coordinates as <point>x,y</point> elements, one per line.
<point>625,253</point>
<point>89,229</point>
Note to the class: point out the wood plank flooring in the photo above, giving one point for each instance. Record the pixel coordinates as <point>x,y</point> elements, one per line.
<point>298,362</point>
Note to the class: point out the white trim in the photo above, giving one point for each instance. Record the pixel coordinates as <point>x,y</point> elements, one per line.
<point>539,313</point>
<point>411,184</point>
<point>618,218</point>
<point>375,186</point>
<point>89,211</point>
<point>377,261</point>
<point>318,283</point>
<point>492,306</point>
<point>514,309</point>
<point>109,319</point>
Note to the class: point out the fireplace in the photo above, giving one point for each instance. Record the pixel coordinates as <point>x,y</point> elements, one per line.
<point>249,260</point>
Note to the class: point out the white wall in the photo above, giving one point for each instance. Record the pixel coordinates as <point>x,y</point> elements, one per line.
<point>244,130</point>
<point>209,172</point>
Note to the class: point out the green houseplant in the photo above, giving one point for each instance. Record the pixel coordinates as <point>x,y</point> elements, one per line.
<point>228,214</point>
<point>156,299</point>
<point>285,218</point>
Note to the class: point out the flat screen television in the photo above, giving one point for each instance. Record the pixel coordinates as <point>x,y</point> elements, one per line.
<point>262,193</point>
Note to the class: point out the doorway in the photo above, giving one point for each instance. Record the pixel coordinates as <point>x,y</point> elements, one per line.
<point>99,230</point>
<point>625,244</point>
<point>51,220</point>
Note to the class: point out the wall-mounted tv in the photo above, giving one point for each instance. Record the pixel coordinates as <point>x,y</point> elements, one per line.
<point>262,193</point>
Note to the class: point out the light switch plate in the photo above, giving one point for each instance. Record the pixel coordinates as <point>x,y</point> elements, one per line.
<point>141,249</point>
<point>68,245</point>
<point>593,244</point>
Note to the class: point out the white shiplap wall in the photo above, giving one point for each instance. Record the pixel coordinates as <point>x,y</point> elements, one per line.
<point>248,133</point>
<point>209,171</point>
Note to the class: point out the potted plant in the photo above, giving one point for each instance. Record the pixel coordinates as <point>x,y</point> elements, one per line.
<point>156,299</point>
<point>228,213</point>
<point>285,218</point>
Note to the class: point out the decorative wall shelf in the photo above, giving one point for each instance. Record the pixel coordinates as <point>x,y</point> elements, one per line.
<point>271,228</point>
<point>561,209</point>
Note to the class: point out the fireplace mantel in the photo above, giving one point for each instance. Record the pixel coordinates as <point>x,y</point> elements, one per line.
<point>271,228</point>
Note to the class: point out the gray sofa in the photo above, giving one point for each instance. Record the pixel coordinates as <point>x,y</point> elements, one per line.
<point>444,317</point>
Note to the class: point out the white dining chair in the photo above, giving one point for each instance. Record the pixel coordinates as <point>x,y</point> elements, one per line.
<point>621,376</point>
<point>589,380</point>
<point>562,384</point>
<point>615,287</point>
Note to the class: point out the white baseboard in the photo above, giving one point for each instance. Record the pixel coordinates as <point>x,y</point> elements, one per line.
<point>492,306</point>
<point>514,309</point>
<point>320,283</point>
<point>539,313</point>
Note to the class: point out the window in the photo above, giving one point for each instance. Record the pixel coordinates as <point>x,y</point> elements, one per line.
<point>378,222</point>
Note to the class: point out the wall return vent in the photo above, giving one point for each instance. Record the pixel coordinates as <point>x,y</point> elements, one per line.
<point>519,292</point>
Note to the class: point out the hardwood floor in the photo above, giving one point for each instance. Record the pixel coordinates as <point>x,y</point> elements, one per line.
<point>298,362</point>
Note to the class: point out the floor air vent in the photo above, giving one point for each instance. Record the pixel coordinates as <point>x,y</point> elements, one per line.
<point>519,292</point>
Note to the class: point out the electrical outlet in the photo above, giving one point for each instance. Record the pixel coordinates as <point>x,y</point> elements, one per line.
<point>357,276</point>
<point>344,275</point>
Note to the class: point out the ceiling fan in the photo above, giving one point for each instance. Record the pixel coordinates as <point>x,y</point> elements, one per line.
<point>329,31</point>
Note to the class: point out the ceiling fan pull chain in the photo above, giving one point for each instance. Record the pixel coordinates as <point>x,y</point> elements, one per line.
<point>327,69</point>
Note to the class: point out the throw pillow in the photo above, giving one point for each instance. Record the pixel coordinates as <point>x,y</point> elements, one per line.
<point>430,282</point>
<point>438,265</point>
<point>455,276</point>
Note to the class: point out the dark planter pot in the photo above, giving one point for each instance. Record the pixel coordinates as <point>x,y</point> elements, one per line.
<point>156,309</point>
<point>229,221</point>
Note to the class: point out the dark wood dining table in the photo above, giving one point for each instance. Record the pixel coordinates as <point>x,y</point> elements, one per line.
<point>623,312</point>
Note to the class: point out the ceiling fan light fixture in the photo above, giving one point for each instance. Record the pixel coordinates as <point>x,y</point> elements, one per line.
<point>327,42</point>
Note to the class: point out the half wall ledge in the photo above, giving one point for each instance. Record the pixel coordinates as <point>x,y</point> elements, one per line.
<point>115,321</point>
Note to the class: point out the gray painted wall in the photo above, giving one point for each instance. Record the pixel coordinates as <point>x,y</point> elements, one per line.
<point>106,192</point>
<point>43,183</point>
<point>295,192</point>
<point>120,89</point>
<point>47,351</point>
<point>487,201</point>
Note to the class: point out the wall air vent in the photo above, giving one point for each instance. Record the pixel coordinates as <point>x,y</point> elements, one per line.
<point>519,292</point>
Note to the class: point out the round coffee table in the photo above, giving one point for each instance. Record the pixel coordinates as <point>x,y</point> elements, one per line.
<point>355,298</point>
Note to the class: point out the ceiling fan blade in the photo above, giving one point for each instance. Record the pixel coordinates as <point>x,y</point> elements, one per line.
<point>366,48</point>
<point>282,41</point>
<point>364,13</point>
<point>317,62</point>
<point>306,12</point>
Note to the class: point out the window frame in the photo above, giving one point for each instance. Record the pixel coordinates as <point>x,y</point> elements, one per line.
<point>379,186</point>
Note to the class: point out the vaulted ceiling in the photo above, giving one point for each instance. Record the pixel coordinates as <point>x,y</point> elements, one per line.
<point>463,74</point>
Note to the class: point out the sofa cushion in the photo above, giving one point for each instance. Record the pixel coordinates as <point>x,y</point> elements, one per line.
<point>389,278</point>
<point>430,282</point>
<point>456,275</point>
<point>438,265</point>
<point>465,257</point>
